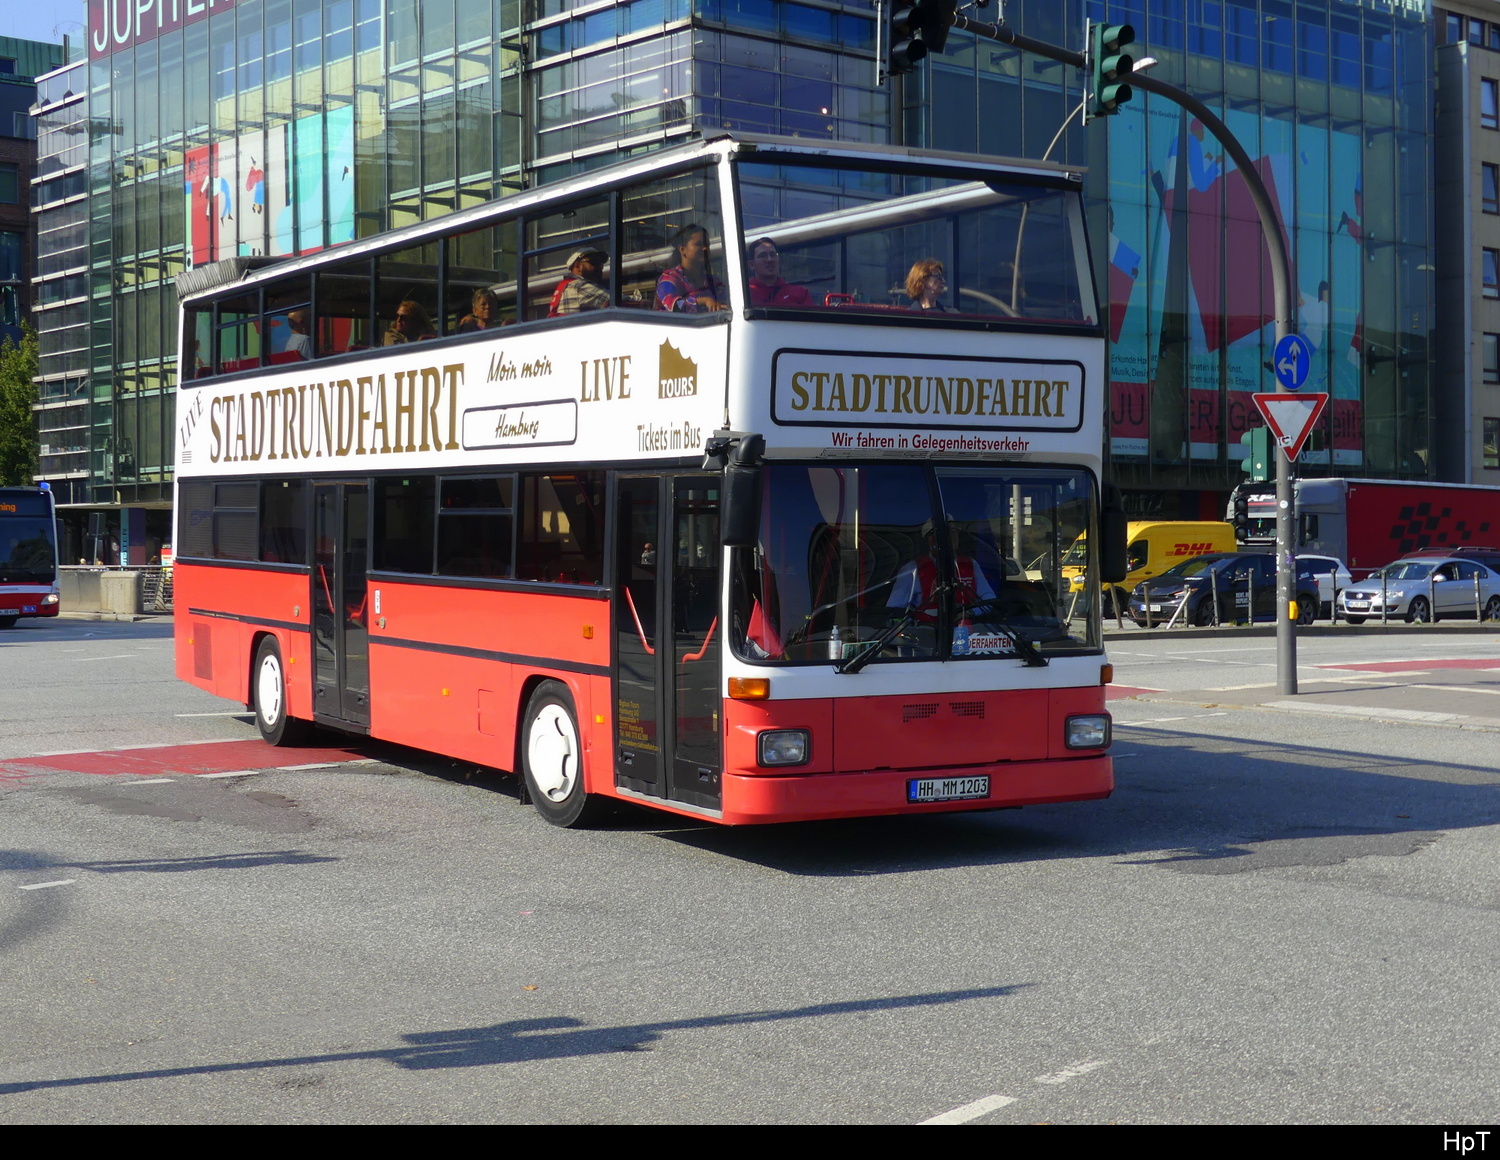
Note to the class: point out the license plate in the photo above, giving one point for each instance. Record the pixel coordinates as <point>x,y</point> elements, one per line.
<point>1153,608</point>
<point>1357,604</point>
<point>947,789</point>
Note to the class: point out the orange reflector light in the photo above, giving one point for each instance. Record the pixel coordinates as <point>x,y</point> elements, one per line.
<point>750,688</point>
<point>588,632</point>
<point>1106,674</point>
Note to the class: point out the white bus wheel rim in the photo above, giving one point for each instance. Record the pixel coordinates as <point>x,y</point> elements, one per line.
<point>269,691</point>
<point>553,752</point>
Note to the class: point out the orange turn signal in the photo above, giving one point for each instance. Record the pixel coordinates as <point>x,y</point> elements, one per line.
<point>750,688</point>
<point>1106,674</point>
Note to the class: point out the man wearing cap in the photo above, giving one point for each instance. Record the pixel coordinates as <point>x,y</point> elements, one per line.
<point>917,580</point>
<point>583,288</point>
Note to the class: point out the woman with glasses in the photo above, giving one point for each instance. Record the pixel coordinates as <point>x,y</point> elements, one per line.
<point>411,324</point>
<point>925,284</point>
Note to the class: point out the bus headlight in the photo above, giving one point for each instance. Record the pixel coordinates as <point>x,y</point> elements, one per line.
<point>50,598</point>
<point>1090,732</point>
<point>784,746</point>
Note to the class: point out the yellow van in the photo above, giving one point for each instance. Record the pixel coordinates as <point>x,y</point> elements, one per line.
<point>1154,546</point>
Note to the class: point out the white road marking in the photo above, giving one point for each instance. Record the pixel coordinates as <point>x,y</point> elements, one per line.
<point>1073,1072</point>
<point>225,713</point>
<point>46,885</point>
<point>313,765</point>
<point>1458,689</point>
<point>148,781</point>
<point>1159,720</point>
<point>1118,756</point>
<point>970,1111</point>
<point>1363,711</point>
<point>232,773</point>
<point>115,657</point>
<point>1236,688</point>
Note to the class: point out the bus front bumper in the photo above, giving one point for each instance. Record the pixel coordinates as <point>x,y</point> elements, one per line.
<point>758,798</point>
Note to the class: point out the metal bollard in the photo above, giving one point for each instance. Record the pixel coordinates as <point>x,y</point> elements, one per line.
<point>1213,578</point>
<point>1384,609</point>
<point>1432,596</point>
<point>1478,616</point>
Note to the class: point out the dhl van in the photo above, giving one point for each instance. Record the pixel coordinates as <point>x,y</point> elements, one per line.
<point>1152,547</point>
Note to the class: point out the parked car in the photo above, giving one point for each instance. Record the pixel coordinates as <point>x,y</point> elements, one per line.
<point>1332,578</point>
<point>1244,583</point>
<point>1424,588</point>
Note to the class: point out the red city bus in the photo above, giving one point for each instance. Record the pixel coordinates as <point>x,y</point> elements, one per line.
<point>28,554</point>
<point>759,518</point>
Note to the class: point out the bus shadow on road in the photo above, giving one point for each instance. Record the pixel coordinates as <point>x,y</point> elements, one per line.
<point>1179,804</point>
<point>530,1040</point>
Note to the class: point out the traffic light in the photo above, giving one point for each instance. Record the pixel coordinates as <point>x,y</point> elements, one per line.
<point>916,29</point>
<point>1240,515</point>
<point>1109,68</point>
<point>1257,464</point>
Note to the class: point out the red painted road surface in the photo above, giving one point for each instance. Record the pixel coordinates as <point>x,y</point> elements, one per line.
<point>1120,692</point>
<point>178,760</point>
<point>1418,666</point>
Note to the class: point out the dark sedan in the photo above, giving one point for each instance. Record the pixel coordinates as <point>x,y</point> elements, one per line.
<point>1219,588</point>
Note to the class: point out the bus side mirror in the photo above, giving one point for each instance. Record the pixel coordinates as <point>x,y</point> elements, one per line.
<point>1113,566</point>
<point>738,455</point>
<point>740,517</point>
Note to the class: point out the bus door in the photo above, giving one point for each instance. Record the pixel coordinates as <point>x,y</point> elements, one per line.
<point>341,653</point>
<point>667,635</point>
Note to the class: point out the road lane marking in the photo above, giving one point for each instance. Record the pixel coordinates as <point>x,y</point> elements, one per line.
<point>970,1111</point>
<point>231,773</point>
<point>115,657</point>
<point>149,781</point>
<point>1073,1072</point>
<point>1367,711</point>
<point>1458,689</point>
<point>315,765</point>
<point>225,713</point>
<point>48,885</point>
<point>1237,688</point>
<point>1159,720</point>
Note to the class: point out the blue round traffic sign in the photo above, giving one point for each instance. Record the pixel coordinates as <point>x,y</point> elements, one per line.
<point>1291,361</point>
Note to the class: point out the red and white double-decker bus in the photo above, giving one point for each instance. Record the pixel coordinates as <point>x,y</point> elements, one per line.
<point>733,480</point>
<point>28,554</point>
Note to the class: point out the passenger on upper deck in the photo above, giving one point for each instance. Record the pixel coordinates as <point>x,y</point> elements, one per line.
<point>300,341</point>
<point>411,324</point>
<point>484,312</point>
<point>925,285</point>
<point>583,288</point>
<point>688,287</point>
<point>767,286</point>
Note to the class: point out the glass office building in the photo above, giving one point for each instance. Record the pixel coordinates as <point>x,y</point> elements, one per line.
<point>219,128</point>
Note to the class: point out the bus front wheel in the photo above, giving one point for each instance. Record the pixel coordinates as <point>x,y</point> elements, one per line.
<point>8,621</point>
<point>552,759</point>
<point>268,691</point>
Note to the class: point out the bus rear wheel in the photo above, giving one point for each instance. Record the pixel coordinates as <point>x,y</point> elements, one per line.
<point>268,694</point>
<point>552,759</point>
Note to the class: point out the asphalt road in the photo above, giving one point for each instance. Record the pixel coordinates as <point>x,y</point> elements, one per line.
<point>1282,915</point>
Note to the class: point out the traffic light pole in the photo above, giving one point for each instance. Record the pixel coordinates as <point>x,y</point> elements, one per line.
<point>1281,284</point>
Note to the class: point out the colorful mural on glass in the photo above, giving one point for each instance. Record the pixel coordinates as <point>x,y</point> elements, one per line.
<point>288,190</point>
<point>1191,304</point>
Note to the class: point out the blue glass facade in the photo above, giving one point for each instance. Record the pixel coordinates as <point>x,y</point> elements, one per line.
<point>270,127</point>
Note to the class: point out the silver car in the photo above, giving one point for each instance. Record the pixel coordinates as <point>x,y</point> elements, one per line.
<point>1422,590</point>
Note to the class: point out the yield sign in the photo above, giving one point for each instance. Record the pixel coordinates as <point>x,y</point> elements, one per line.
<point>1291,417</point>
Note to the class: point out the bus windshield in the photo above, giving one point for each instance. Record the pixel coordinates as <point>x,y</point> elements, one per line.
<point>865,240</point>
<point>26,551</point>
<point>964,556</point>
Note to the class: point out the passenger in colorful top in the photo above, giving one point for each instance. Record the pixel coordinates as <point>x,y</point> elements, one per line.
<point>688,287</point>
<point>582,288</point>
<point>767,286</point>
